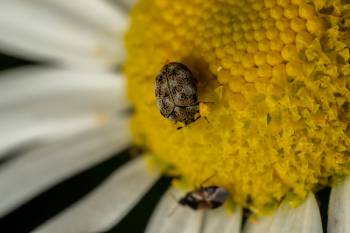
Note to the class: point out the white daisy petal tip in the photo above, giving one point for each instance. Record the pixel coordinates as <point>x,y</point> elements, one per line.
<point>339,208</point>
<point>303,219</point>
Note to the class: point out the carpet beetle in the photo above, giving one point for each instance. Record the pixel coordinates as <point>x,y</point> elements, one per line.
<point>176,93</point>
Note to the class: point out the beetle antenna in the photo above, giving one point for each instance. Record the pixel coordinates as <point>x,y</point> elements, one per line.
<point>171,195</point>
<point>173,210</point>
<point>209,178</point>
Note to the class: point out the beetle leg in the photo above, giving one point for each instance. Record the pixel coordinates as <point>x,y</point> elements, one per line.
<point>198,118</point>
<point>207,179</point>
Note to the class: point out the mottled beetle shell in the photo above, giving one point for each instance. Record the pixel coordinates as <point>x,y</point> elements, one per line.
<point>176,93</point>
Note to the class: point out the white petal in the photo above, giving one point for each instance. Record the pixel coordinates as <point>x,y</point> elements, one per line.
<point>221,221</point>
<point>303,219</point>
<point>182,220</point>
<point>63,31</point>
<point>35,171</point>
<point>64,89</point>
<point>104,16</point>
<point>19,133</point>
<point>261,225</point>
<point>339,208</point>
<point>107,204</point>
<point>42,103</point>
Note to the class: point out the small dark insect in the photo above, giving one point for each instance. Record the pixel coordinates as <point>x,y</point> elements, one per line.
<point>205,198</point>
<point>176,93</point>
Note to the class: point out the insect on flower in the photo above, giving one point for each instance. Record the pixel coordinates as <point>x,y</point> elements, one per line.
<point>176,93</point>
<point>205,198</point>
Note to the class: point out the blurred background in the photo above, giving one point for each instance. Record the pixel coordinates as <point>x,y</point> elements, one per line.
<point>62,109</point>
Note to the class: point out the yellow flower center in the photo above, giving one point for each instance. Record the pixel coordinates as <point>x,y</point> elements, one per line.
<point>273,81</point>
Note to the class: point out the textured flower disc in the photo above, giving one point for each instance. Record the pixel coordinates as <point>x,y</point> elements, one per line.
<point>274,76</point>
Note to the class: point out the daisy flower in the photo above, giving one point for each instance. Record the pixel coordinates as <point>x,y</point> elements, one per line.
<point>274,99</point>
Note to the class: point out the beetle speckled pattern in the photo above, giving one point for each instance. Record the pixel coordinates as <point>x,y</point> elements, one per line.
<point>176,93</point>
<point>205,198</point>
